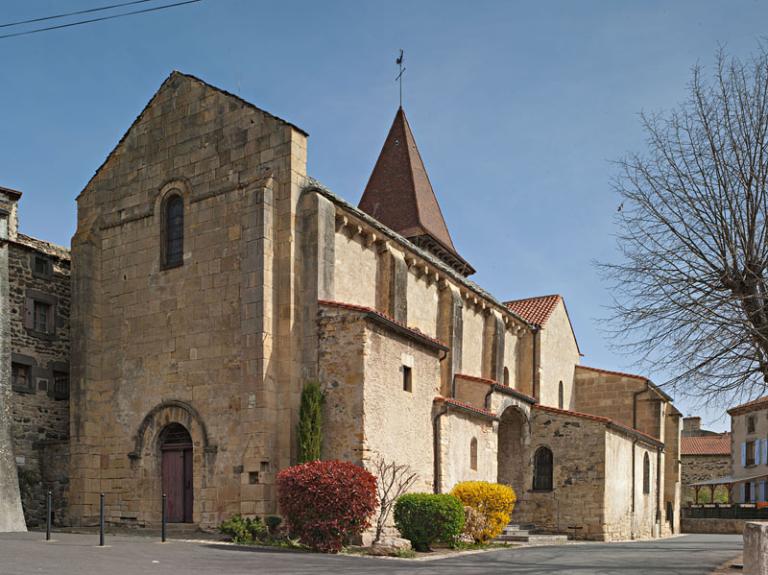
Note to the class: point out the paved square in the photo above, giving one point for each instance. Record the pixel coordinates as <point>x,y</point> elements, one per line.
<point>28,554</point>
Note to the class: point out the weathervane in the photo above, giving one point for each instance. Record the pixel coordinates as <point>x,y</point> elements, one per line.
<point>399,78</point>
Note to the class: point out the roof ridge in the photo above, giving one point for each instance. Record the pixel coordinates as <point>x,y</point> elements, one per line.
<point>534,297</point>
<point>173,74</point>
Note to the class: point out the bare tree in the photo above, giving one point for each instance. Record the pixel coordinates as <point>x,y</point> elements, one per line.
<point>392,480</point>
<point>690,290</point>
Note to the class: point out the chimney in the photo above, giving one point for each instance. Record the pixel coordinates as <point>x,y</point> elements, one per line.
<point>9,213</point>
<point>691,424</point>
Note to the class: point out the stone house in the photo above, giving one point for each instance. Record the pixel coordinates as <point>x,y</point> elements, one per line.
<point>34,312</point>
<point>749,451</point>
<point>212,278</point>
<point>704,455</point>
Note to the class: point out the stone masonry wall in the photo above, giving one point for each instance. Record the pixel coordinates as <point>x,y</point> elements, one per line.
<point>398,423</point>
<point>40,417</point>
<point>702,468</point>
<point>578,497</point>
<point>629,512</point>
<point>210,344</point>
<point>558,356</point>
<point>342,376</point>
<point>457,431</point>
<point>611,395</point>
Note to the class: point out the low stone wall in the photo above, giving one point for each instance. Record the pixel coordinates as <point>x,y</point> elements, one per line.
<point>712,525</point>
<point>756,549</point>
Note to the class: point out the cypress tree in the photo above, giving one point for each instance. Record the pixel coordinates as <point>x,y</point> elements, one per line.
<point>310,427</point>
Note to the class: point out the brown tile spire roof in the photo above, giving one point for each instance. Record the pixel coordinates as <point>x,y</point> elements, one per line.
<point>400,195</point>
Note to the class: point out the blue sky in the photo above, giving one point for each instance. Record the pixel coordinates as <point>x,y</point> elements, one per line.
<point>518,109</point>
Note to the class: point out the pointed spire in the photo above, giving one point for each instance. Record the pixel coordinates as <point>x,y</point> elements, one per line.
<point>400,195</point>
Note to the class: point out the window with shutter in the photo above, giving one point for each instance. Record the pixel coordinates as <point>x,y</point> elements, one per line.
<point>750,458</point>
<point>743,454</point>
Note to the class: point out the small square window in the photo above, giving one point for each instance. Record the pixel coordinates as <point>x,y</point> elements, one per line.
<point>253,477</point>
<point>42,317</point>
<point>20,378</point>
<point>42,384</point>
<point>42,267</point>
<point>407,379</point>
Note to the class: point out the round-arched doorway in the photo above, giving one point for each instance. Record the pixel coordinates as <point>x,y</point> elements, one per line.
<point>176,453</point>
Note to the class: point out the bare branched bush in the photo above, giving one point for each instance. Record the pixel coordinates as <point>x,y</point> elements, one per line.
<point>392,480</point>
<point>691,297</point>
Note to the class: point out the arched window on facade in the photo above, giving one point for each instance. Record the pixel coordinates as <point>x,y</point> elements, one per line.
<point>506,376</point>
<point>173,231</point>
<point>473,454</point>
<point>560,396</point>
<point>542,469</point>
<point>646,474</point>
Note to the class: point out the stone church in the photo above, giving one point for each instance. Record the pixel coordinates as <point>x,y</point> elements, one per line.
<point>211,279</point>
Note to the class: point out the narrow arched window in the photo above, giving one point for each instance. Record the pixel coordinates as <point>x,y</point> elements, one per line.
<point>542,469</point>
<point>646,474</point>
<point>473,454</point>
<point>560,396</point>
<point>506,376</point>
<point>173,231</point>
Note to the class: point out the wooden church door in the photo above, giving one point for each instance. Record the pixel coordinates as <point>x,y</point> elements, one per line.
<point>176,447</point>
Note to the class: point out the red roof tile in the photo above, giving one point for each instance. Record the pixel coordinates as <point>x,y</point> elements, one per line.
<point>759,403</point>
<point>535,310</point>
<point>706,445</point>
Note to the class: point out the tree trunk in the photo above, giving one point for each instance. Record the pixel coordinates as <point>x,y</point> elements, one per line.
<point>11,514</point>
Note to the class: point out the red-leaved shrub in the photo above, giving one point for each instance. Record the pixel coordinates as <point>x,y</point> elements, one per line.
<point>324,503</point>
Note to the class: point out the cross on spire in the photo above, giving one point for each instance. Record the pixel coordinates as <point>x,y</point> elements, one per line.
<point>399,78</point>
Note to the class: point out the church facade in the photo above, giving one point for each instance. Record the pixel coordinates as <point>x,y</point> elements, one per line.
<point>212,279</point>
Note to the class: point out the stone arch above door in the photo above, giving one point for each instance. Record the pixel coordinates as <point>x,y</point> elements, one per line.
<point>162,415</point>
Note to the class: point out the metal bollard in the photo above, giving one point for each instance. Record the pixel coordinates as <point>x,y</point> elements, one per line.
<point>101,520</point>
<point>165,517</point>
<point>48,512</point>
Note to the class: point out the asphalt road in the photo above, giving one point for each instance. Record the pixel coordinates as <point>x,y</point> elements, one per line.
<point>27,554</point>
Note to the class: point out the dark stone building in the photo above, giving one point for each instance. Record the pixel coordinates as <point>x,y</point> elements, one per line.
<point>35,311</point>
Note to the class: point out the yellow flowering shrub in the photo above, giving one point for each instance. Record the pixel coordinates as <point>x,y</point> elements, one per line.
<point>493,501</point>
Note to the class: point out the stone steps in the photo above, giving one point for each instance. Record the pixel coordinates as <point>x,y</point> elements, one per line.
<point>526,533</point>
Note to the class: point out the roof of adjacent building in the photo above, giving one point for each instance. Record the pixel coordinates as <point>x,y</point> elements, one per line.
<point>719,444</point>
<point>400,195</point>
<point>754,405</point>
<point>11,192</point>
<point>536,310</point>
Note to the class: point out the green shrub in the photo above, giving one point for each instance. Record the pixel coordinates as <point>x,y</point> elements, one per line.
<point>310,426</point>
<point>427,518</point>
<point>244,529</point>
